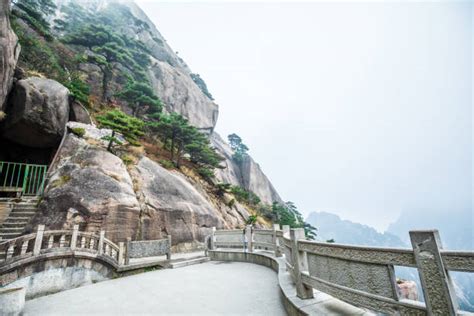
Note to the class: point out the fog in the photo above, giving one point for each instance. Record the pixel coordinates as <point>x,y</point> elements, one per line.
<point>359,109</point>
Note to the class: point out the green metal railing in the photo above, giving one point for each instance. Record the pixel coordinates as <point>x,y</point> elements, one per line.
<point>26,179</point>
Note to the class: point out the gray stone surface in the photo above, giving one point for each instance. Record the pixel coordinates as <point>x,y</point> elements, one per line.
<point>12,301</point>
<point>148,248</point>
<point>248,175</point>
<point>90,187</point>
<point>370,278</point>
<point>37,112</point>
<point>173,205</point>
<point>213,288</point>
<point>78,113</point>
<point>56,280</point>
<point>180,94</point>
<point>9,52</point>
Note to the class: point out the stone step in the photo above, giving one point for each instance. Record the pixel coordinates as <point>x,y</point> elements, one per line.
<point>18,224</point>
<point>18,219</point>
<point>11,229</point>
<point>16,214</point>
<point>24,207</point>
<point>6,236</point>
<point>188,262</point>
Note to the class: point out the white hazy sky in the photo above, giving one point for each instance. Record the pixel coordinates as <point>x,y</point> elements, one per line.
<point>360,109</point>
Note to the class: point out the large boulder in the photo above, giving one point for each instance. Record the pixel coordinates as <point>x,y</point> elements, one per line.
<point>78,113</point>
<point>9,52</point>
<point>90,187</point>
<point>93,188</point>
<point>37,113</point>
<point>172,204</point>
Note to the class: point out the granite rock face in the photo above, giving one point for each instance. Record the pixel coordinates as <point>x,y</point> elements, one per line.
<point>180,94</point>
<point>173,205</point>
<point>37,113</point>
<point>90,187</point>
<point>9,52</point>
<point>248,174</point>
<point>78,113</point>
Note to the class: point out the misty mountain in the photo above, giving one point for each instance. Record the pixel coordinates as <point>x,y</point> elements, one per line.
<point>455,226</point>
<point>331,226</point>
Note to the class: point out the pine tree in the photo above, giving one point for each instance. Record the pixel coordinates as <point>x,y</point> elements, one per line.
<point>140,95</point>
<point>130,127</point>
<point>239,148</point>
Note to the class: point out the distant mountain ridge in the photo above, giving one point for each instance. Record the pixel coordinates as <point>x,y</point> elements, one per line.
<point>331,226</point>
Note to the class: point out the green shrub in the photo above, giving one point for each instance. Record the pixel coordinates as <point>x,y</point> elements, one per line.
<point>79,90</point>
<point>78,131</point>
<point>166,163</point>
<point>245,196</point>
<point>206,173</point>
<point>252,219</point>
<point>127,160</point>
<point>3,115</point>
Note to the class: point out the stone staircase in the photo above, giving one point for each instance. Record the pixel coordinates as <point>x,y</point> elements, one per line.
<point>19,214</point>
<point>180,263</point>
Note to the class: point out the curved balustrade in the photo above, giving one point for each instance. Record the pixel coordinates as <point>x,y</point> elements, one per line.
<point>60,242</point>
<point>362,276</point>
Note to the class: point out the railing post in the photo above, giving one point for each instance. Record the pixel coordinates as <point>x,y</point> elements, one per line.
<point>299,258</point>
<point>100,245</point>
<point>437,286</point>
<point>286,231</point>
<point>120,253</point>
<point>276,243</point>
<point>38,240</point>
<point>75,231</point>
<point>249,235</point>
<point>168,254</point>
<point>127,250</point>
<point>213,238</point>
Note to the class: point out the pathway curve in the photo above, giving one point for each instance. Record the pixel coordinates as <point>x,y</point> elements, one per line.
<point>213,288</point>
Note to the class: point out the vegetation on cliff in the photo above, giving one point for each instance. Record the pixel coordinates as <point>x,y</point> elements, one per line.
<point>107,69</point>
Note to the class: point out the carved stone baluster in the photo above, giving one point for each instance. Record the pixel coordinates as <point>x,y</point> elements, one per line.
<point>107,250</point>
<point>50,241</point>
<point>62,241</point>
<point>10,251</point>
<point>83,242</point>
<point>92,243</point>
<point>24,247</point>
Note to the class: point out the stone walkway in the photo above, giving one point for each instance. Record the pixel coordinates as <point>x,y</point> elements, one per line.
<point>213,288</point>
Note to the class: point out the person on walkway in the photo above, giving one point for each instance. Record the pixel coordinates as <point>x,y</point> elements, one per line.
<point>244,239</point>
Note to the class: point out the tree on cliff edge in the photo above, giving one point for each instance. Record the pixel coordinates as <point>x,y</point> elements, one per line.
<point>130,127</point>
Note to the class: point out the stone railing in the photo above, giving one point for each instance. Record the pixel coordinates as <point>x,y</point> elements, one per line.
<point>73,242</point>
<point>60,241</point>
<point>361,276</point>
<point>148,248</point>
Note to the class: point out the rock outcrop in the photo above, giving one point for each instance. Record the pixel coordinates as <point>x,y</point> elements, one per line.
<point>248,174</point>
<point>78,113</point>
<point>172,204</point>
<point>93,188</point>
<point>180,94</point>
<point>37,113</point>
<point>9,51</point>
<point>90,187</point>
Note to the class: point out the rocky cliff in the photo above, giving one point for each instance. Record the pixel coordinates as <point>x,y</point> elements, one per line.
<point>128,193</point>
<point>9,51</point>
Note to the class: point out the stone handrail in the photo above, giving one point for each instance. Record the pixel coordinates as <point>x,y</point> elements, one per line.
<point>56,241</point>
<point>362,276</point>
<point>65,243</point>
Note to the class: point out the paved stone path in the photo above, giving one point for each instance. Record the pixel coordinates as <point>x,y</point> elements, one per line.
<point>213,288</point>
